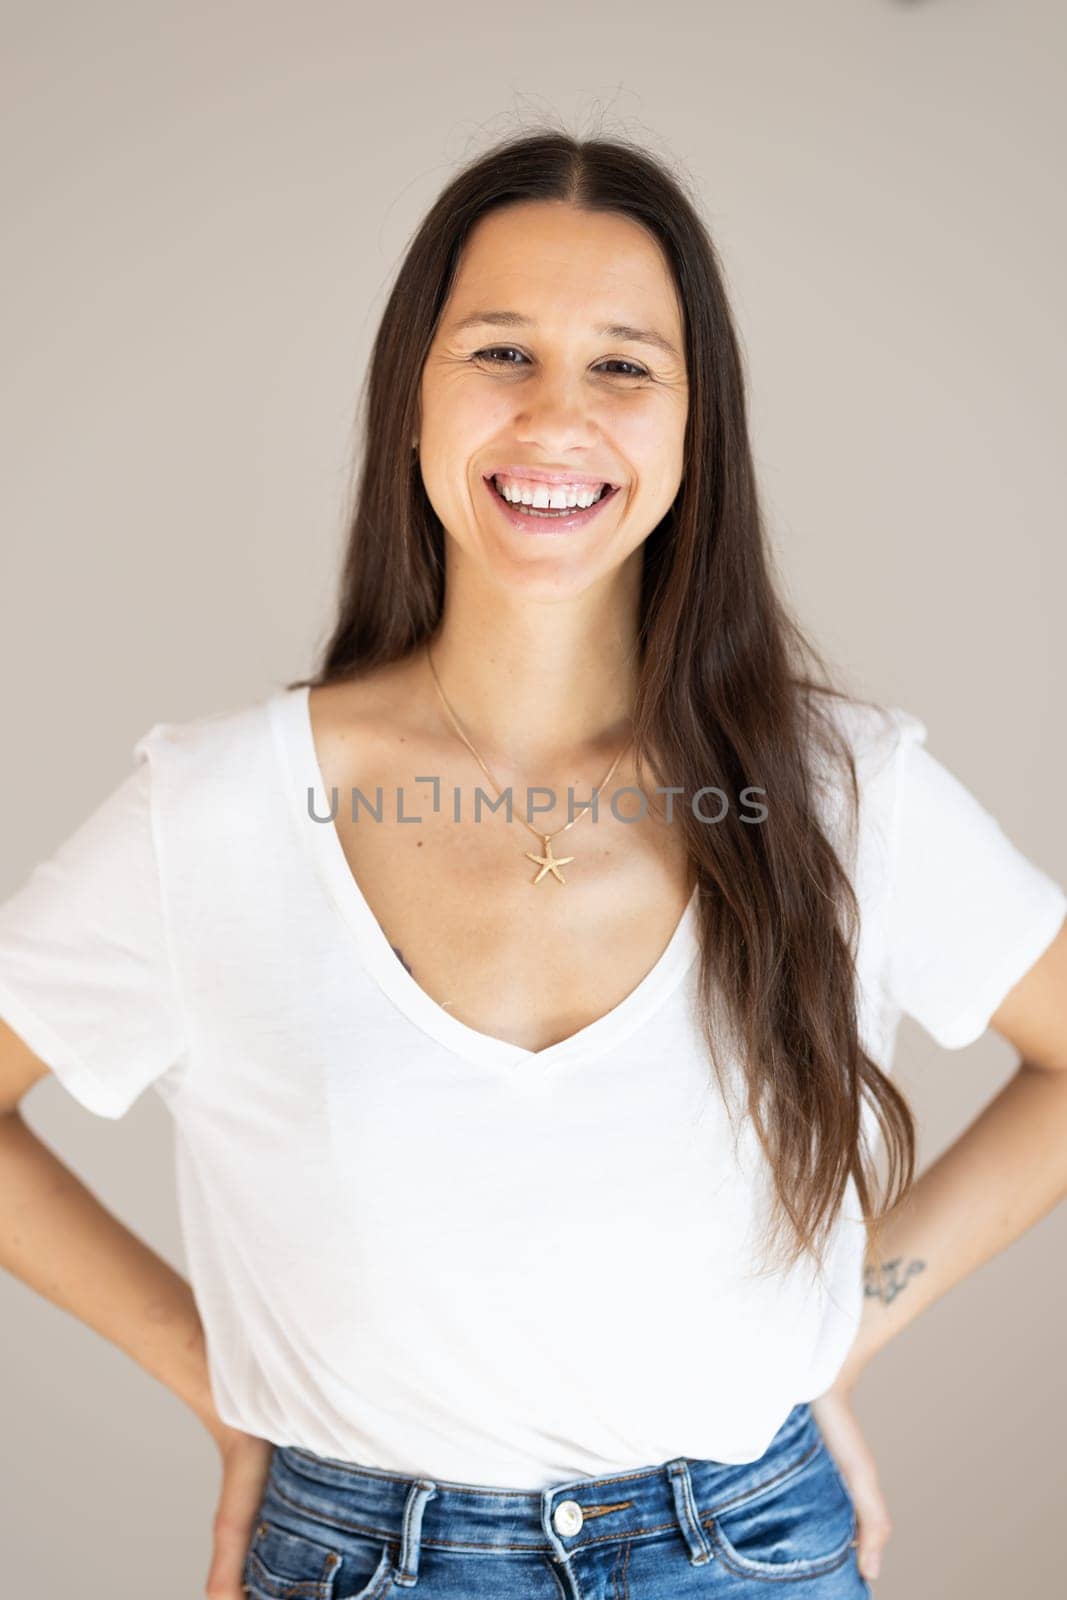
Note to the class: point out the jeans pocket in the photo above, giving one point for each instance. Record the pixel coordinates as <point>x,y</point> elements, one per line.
<point>286,1564</point>
<point>801,1526</point>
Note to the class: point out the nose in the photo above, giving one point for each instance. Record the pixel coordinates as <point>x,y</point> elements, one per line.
<point>558,412</point>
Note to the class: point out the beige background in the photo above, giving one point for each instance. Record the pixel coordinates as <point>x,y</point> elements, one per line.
<point>203,209</point>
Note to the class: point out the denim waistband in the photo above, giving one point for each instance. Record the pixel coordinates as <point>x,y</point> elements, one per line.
<point>567,1516</point>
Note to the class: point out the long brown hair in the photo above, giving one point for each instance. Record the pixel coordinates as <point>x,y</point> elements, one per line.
<point>730,690</point>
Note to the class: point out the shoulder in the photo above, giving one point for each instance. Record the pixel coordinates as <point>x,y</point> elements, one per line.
<point>867,741</point>
<point>235,762</point>
<point>212,760</point>
<point>212,731</point>
<point>873,735</point>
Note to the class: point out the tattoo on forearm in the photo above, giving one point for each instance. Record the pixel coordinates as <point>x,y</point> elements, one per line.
<point>888,1280</point>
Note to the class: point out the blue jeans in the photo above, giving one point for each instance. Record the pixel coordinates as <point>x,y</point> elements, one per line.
<point>784,1525</point>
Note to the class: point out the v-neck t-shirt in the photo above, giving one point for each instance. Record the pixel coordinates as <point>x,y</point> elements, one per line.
<point>415,1246</point>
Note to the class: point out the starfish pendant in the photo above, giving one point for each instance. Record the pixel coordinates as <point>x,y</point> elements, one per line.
<point>548,862</point>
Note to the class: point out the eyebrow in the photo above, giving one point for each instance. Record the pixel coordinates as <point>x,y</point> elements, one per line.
<point>610,330</point>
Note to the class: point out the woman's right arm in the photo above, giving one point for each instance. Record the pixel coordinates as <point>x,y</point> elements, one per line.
<point>60,1240</point>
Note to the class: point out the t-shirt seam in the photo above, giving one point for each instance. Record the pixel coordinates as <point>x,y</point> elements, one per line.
<point>889,1003</point>
<point>175,1070</point>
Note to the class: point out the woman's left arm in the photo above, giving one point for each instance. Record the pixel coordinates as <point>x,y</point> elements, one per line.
<point>1005,1172</point>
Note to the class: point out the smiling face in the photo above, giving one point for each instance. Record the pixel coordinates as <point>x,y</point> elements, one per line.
<point>578,376</point>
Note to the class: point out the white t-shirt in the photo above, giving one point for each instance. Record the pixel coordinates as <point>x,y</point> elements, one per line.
<point>417,1247</point>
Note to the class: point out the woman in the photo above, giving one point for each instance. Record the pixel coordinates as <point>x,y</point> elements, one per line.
<point>526,1158</point>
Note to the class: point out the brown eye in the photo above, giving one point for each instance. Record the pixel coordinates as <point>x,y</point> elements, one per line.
<point>634,372</point>
<point>483,355</point>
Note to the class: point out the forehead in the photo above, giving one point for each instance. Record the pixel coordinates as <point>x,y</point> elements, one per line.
<point>552,261</point>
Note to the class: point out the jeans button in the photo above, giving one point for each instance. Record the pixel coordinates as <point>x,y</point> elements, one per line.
<point>567,1517</point>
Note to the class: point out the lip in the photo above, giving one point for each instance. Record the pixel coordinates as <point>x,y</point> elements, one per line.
<point>540,475</point>
<point>527,524</point>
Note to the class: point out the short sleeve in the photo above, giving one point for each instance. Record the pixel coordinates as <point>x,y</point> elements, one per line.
<point>968,912</point>
<point>86,976</point>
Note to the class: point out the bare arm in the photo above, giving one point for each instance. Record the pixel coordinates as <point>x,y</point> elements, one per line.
<point>58,1238</point>
<point>1005,1171</point>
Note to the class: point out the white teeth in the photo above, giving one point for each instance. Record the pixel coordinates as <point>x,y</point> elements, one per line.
<point>557,497</point>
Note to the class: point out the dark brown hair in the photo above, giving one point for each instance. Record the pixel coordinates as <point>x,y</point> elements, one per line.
<point>730,692</point>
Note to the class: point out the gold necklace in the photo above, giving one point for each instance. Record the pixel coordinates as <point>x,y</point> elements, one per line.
<point>547,862</point>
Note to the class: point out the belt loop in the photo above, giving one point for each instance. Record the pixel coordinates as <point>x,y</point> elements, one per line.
<point>700,1550</point>
<point>422,1490</point>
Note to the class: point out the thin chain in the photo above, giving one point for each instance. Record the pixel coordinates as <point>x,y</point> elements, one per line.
<point>535,831</point>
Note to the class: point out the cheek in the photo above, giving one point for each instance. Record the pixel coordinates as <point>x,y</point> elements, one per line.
<point>461,430</point>
<point>469,403</point>
<point>654,449</point>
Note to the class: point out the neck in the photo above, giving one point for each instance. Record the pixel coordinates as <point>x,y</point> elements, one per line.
<point>532,686</point>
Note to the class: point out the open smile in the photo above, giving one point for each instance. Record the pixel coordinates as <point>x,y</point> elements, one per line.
<point>539,519</point>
